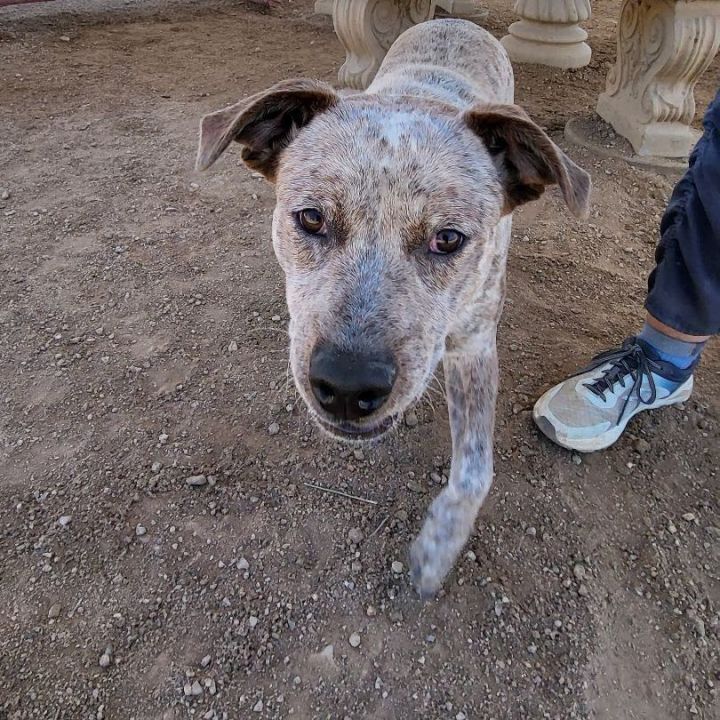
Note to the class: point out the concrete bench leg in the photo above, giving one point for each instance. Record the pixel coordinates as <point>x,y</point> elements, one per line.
<point>663,47</point>
<point>549,33</point>
<point>367,28</point>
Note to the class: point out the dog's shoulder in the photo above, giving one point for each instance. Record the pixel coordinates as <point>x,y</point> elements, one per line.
<point>449,56</point>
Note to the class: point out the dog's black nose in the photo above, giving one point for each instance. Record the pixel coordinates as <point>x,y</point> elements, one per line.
<point>350,385</point>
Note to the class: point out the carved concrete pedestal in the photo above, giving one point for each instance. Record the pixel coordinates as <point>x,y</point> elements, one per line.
<point>549,33</point>
<point>367,28</point>
<point>663,47</point>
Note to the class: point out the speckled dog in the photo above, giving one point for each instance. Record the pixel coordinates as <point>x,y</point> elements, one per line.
<point>392,226</point>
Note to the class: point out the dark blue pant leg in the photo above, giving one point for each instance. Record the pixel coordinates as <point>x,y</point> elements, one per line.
<point>684,287</point>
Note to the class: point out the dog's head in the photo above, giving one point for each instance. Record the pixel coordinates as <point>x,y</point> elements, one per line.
<point>386,227</point>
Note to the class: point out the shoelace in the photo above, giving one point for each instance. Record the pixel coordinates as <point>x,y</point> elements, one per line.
<point>630,359</point>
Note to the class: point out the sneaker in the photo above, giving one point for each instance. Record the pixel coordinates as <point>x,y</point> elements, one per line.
<point>590,410</point>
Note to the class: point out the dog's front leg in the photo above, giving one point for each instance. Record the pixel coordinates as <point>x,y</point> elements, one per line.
<point>471,384</point>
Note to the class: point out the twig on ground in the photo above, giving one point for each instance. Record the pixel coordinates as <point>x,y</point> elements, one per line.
<point>340,492</point>
<point>377,529</point>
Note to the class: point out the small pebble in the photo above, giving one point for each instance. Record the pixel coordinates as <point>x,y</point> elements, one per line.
<point>206,661</point>
<point>258,707</point>
<point>411,419</point>
<point>354,640</point>
<point>243,564</point>
<point>689,517</point>
<point>196,689</point>
<point>140,530</point>
<point>274,429</point>
<point>355,536</point>
<point>54,611</point>
<point>253,621</point>
<point>105,660</point>
<point>64,520</point>
<point>397,567</point>
<point>579,571</point>
<point>196,480</point>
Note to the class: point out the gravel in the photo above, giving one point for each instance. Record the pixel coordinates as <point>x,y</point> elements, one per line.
<point>188,373</point>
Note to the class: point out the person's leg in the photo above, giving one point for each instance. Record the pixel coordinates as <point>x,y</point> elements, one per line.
<point>684,288</point>
<point>590,410</point>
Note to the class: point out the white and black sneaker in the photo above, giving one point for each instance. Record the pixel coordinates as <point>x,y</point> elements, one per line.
<point>590,410</point>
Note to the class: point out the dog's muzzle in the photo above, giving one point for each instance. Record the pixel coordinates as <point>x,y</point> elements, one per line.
<point>350,386</point>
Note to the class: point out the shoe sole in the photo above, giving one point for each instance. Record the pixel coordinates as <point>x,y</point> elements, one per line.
<point>609,437</point>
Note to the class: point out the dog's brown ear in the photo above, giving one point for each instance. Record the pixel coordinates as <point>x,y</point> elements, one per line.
<point>264,124</point>
<point>527,159</point>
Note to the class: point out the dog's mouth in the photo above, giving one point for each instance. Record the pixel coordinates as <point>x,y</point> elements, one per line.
<point>349,431</point>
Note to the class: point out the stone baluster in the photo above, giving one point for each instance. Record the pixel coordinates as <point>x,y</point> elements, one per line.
<point>663,46</point>
<point>548,33</point>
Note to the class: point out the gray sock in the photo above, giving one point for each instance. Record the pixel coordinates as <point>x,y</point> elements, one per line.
<point>678,352</point>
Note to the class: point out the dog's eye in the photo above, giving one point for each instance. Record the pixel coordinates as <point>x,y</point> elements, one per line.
<point>311,221</point>
<point>446,241</point>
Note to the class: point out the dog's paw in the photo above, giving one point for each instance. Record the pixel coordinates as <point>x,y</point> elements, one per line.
<point>426,572</point>
<point>435,549</point>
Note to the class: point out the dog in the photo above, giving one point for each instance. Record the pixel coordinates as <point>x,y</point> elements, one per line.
<point>392,226</point>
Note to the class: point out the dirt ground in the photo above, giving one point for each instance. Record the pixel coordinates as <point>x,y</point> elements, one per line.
<point>142,342</point>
